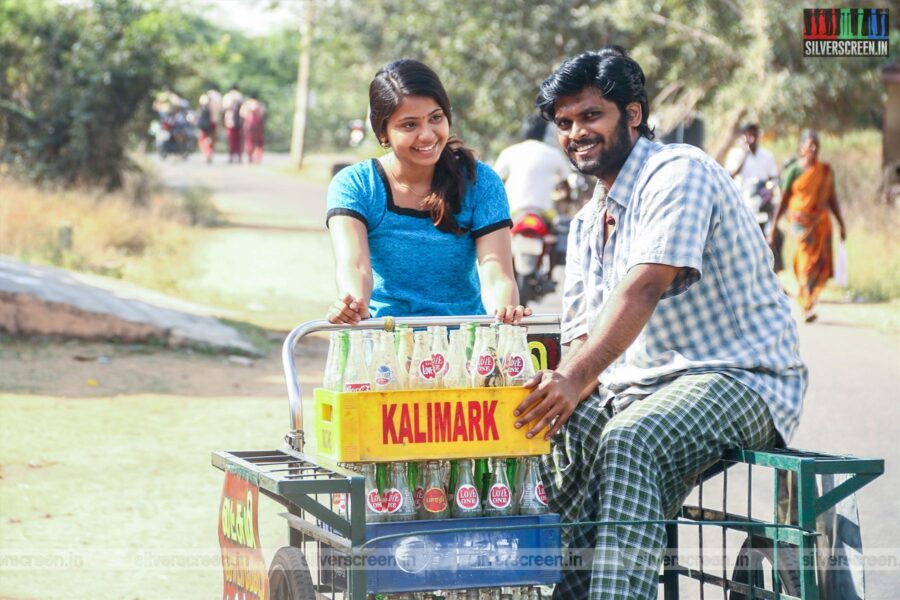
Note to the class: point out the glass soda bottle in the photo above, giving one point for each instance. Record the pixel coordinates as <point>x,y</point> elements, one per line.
<point>466,496</point>
<point>421,369</point>
<point>397,497</point>
<point>440,353</point>
<point>504,332</point>
<point>486,370</point>
<point>457,375</point>
<point>434,502</point>
<point>356,374</point>
<point>515,468</point>
<point>404,352</point>
<point>518,365</point>
<point>370,339</point>
<point>471,330</point>
<point>482,478</point>
<point>419,486</point>
<point>331,378</point>
<point>374,506</point>
<point>499,496</point>
<point>385,369</point>
<point>531,495</point>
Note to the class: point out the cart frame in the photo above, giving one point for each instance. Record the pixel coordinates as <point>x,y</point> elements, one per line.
<point>298,481</point>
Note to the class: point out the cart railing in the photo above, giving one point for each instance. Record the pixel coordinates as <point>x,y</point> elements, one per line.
<point>295,436</point>
<point>295,481</point>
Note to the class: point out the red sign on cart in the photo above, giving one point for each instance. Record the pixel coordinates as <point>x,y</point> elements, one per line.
<point>243,564</point>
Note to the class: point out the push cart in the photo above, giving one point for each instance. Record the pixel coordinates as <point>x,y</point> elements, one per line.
<point>334,556</point>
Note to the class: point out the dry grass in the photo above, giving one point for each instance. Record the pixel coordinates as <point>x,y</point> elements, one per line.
<point>99,233</point>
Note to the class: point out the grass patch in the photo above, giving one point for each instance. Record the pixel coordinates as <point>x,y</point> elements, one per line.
<point>142,238</point>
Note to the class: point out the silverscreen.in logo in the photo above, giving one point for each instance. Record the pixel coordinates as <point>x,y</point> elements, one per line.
<point>845,31</point>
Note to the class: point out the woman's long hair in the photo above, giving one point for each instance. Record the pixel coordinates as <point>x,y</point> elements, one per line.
<point>456,164</point>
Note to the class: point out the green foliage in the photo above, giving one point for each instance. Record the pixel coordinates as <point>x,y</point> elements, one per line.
<point>77,80</point>
<point>725,60</point>
<point>74,77</point>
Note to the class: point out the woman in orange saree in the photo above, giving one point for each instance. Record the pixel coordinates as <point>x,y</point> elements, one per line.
<point>808,198</point>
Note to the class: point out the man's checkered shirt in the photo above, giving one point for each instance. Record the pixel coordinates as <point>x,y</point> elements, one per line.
<point>725,312</point>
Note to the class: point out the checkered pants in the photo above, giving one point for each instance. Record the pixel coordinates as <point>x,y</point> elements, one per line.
<point>640,464</point>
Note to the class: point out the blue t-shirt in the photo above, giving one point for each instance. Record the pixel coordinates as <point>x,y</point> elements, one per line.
<point>418,270</point>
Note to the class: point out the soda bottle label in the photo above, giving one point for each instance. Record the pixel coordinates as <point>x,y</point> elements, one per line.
<point>540,494</point>
<point>485,364</point>
<point>516,365</point>
<point>373,500</point>
<point>417,497</point>
<point>438,361</point>
<point>357,387</point>
<point>393,500</point>
<point>426,369</point>
<point>339,503</point>
<point>383,375</point>
<point>435,500</point>
<point>499,496</point>
<point>467,496</point>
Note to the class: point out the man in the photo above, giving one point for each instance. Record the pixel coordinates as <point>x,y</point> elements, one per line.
<point>754,170</point>
<point>748,163</point>
<point>671,300</point>
<point>531,169</point>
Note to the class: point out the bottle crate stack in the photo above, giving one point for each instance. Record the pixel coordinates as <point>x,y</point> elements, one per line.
<point>427,417</point>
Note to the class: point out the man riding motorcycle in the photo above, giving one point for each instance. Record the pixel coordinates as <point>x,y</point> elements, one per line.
<point>756,174</point>
<point>531,171</point>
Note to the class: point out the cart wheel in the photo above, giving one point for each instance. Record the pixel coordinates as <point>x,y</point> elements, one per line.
<point>289,577</point>
<point>754,564</point>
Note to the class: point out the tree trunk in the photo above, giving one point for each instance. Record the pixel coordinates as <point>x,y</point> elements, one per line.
<point>302,95</point>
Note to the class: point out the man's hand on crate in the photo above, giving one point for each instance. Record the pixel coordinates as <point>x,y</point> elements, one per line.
<point>552,400</point>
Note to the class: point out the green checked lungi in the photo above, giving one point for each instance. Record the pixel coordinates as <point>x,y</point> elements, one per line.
<point>640,464</point>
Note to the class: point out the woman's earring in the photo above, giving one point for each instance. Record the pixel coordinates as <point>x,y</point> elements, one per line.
<point>385,144</point>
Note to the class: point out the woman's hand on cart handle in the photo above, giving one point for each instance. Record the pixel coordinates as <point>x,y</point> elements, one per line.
<point>348,311</point>
<point>511,315</point>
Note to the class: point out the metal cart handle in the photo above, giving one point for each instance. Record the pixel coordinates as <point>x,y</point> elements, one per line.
<point>295,436</point>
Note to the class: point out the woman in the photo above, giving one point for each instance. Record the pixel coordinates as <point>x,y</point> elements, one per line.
<point>808,197</point>
<point>253,119</point>
<point>408,228</point>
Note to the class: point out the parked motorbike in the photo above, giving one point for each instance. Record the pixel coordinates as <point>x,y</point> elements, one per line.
<point>175,133</point>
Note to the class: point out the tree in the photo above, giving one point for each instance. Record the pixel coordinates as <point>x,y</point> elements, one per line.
<point>74,79</point>
<point>724,59</point>
<point>298,134</point>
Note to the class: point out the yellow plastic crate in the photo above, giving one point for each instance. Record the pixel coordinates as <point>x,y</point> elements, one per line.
<point>421,424</point>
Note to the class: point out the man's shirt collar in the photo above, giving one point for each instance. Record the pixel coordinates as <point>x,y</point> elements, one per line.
<point>623,186</point>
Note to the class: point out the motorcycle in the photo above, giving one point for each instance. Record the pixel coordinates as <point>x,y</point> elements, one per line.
<point>175,134</point>
<point>539,243</point>
<point>535,251</point>
<point>762,203</point>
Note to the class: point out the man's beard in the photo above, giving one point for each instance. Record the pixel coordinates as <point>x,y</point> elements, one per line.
<point>610,160</point>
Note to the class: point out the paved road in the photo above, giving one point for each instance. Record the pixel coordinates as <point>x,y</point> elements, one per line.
<point>852,405</point>
<point>263,195</point>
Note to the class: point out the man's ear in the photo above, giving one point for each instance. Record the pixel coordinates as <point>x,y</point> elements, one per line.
<point>634,114</point>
